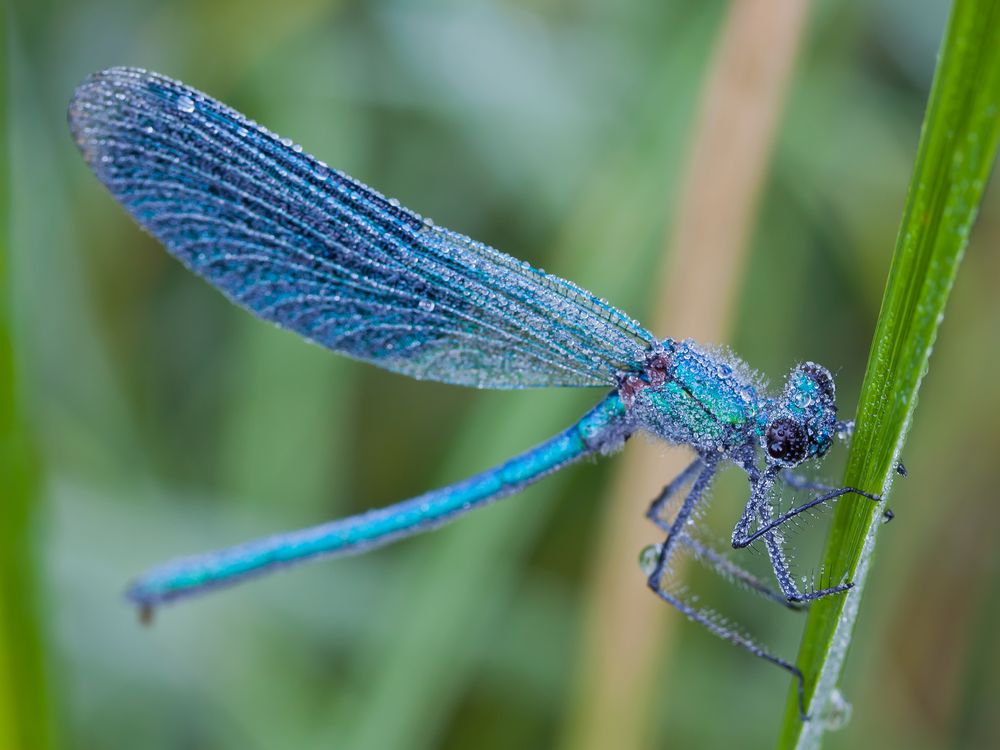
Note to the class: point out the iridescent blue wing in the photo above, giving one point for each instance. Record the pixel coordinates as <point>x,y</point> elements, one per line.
<point>317,252</point>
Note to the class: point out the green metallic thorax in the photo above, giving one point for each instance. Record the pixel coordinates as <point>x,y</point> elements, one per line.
<point>695,397</point>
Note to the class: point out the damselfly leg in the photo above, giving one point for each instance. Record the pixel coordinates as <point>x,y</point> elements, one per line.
<point>722,565</point>
<point>799,483</point>
<point>704,617</point>
<point>772,524</point>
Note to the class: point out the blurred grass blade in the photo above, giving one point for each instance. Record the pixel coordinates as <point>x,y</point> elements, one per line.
<point>23,712</point>
<point>957,148</point>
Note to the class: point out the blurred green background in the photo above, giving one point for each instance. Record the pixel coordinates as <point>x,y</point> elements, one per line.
<point>165,421</point>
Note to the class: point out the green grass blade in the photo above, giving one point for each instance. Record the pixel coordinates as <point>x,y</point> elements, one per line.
<point>956,152</point>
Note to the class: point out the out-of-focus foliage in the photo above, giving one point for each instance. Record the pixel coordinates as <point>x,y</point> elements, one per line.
<point>24,720</point>
<point>170,422</point>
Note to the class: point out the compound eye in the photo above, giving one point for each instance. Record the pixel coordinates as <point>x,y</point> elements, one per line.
<point>786,441</point>
<point>822,377</point>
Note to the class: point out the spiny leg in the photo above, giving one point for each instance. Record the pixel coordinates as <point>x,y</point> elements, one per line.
<point>760,506</point>
<point>737,638</point>
<point>779,562</point>
<point>760,485</point>
<point>676,529</point>
<point>796,482</point>
<point>721,565</point>
<point>655,512</point>
<point>785,517</point>
<point>730,570</point>
<point>674,536</point>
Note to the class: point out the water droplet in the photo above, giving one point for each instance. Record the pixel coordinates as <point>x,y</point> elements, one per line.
<point>426,305</point>
<point>837,712</point>
<point>428,221</point>
<point>724,370</point>
<point>185,104</point>
<point>648,558</point>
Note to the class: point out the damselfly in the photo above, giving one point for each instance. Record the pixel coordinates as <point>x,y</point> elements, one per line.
<point>317,252</point>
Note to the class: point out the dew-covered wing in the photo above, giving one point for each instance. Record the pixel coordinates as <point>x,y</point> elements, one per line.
<point>316,252</point>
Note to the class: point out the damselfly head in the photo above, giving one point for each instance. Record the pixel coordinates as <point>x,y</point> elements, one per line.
<point>804,421</point>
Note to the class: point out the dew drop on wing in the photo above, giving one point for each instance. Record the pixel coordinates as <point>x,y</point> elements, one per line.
<point>185,104</point>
